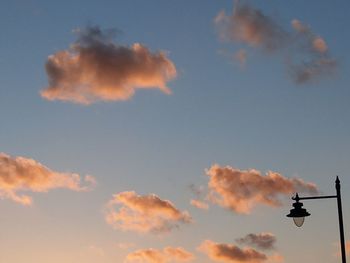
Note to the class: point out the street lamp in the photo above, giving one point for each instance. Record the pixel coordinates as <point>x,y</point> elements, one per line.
<point>298,213</point>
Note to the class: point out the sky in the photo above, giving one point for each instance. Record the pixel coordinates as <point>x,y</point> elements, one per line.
<point>172,131</point>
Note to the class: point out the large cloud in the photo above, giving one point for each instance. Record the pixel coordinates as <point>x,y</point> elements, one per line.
<point>18,174</point>
<point>241,190</point>
<point>147,213</point>
<point>306,54</point>
<point>229,253</point>
<point>168,254</point>
<point>95,68</point>
<point>263,241</point>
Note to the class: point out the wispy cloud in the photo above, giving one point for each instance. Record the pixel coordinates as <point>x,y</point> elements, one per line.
<point>199,201</point>
<point>241,190</point>
<point>306,54</point>
<point>229,253</point>
<point>250,26</point>
<point>199,204</point>
<point>20,174</point>
<point>144,213</point>
<point>95,68</point>
<point>265,241</point>
<point>168,254</point>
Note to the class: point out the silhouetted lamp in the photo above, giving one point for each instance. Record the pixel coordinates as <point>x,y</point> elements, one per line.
<point>298,213</point>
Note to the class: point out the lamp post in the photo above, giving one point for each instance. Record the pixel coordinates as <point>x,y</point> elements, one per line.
<point>298,213</point>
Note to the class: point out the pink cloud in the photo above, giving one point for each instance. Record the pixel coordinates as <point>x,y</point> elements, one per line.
<point>147,213</point>
<point>347,249</point>
<point>250,26</point>
<point>229,253</point>
<point>20,174</point>
<point>306,54</point>
<point>168,254</point>
<point>241,190</point>
<point>199,204</point>
<point>95,69</point>
<point>265,241</point>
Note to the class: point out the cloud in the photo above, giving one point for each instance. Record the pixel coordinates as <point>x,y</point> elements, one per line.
<point>199,204</point>
<point>250,26</point>
<point>306,54</point>
<point>338,249</point>
<point>241,190</point>
<point>95,69</point>
<point>18,174</point>
<point>265,241</point>
<point>147,213</point>
<point>317,62</point>
<point>168,254</point>
<point>229,253</point>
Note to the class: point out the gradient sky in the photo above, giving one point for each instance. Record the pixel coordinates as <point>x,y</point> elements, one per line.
<point>243,114</point>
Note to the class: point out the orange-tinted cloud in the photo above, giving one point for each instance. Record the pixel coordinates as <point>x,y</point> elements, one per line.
<point>317,62</point>
<point>168,254</point>
<point>95,68</point>
<point>144,213</point>
<point>347,249</point>
<point>199,200</point>
<point>20,174</point>
<point>241,190</point>
<point>307,54</point>
<point>250,26</point>
<point>265,241</point>
<point>199,204</point>
<point>229,253</point>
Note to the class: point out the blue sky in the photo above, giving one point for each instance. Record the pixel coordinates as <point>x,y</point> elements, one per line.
<point>250,117</point>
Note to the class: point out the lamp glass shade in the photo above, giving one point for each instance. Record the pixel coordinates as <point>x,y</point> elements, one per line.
<point>298,221</point>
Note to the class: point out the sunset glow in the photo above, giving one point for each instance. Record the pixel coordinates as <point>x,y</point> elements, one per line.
<point>157,131</point>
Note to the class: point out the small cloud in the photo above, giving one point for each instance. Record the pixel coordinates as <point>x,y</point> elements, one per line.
<point>147,213</point>
<point>320,45</point>
<point>264,241</point>
<point>18,174</point>
<point>95,68</point>
<point>168,254</point>
<point>306,54</point>
<point>338,249</point>
<point>199,192</point>
<point>241,190</point>
<point>229,253</point>
<point>199,204</point>
<point>250,26</point>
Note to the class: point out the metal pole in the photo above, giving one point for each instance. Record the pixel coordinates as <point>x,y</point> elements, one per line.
<point>341,227</point>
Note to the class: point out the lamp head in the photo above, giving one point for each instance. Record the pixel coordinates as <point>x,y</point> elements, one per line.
<point>298,213</point>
